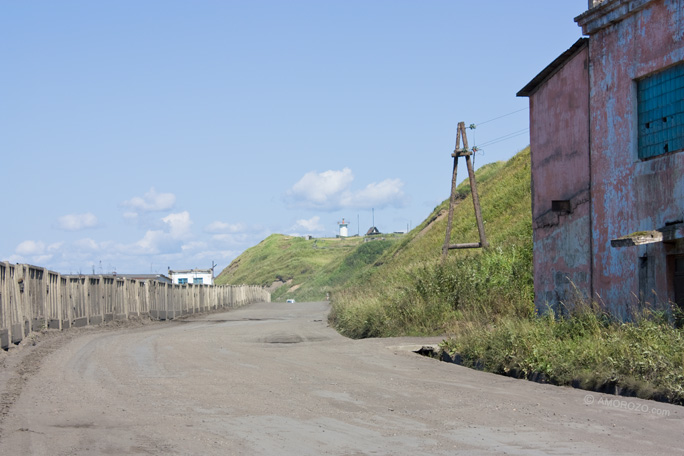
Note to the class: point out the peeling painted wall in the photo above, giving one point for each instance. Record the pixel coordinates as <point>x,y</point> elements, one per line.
<point>559,144</point>
<point>629,194</point>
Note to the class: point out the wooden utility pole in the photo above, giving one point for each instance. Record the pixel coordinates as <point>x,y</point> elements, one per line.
<point>463,151</point>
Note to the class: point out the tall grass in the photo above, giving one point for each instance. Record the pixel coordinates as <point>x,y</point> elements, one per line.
<point>434,298</point>
<point>586,348</point>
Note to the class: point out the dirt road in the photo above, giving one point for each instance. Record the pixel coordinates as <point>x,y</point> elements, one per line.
<point>275,379</point>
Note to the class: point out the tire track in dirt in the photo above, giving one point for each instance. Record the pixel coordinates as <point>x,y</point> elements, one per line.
<point>20,363</point>
<point>20,367</point>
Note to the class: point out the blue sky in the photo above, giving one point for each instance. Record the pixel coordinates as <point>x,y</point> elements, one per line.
<point>141,135</point>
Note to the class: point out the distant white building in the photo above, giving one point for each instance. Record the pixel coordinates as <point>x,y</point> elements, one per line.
<point>344,230</point>
<point>193,276</point>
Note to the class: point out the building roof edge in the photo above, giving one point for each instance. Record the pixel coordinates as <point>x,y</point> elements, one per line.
<point>552,68</point>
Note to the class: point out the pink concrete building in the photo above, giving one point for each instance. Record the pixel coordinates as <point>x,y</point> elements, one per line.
<point>607,136</point>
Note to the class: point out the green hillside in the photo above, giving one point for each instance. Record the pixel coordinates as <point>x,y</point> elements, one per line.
<point>409,291</point>
<point>294,267</point>
<point>303,269</point>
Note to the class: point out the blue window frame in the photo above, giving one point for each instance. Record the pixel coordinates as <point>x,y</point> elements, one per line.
<point>182,281</point>
<point>660,100</point>
<point>198,280</point>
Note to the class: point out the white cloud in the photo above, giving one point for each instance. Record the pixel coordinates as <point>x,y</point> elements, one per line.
<point>86,244</point>
<point>35,252</point>
<point>30,248</point>
<point>164,241</point>
<point>222,227</point>
<point>331,190</point>
<point>321,190</point>
<point>194,246</point>
<point>168,240</point>
<point>55,246</point>
<point>311,225</point>
<point>151,201</point>
<point>386,193</point>
<point>154,242</point>
<point>39,260</point>
<point>179,224</point>
<point>75,222</point>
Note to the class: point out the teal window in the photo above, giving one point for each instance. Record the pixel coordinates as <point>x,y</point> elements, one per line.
<point>182,281</point>
<point>198,280</point>
<point>660,99</point>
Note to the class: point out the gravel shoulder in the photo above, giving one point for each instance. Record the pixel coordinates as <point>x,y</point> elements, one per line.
<point>273,378</point>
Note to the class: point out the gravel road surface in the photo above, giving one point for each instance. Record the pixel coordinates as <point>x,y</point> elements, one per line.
<point>274,379</point>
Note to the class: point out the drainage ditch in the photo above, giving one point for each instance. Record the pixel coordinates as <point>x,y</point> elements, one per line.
<point>612,388</point>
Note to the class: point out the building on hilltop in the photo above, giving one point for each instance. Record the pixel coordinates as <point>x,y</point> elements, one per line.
<point>606,136</point>
<point>344,228</point>
<point>192,276</point>
<point>373,231</point>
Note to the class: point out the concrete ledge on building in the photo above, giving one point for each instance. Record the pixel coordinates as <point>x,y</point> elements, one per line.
<point>667,234</point>
<point>564,208</point>
<point>603,13</point>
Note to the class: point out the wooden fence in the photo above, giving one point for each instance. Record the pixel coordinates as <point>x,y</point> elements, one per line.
<point>33,298</point>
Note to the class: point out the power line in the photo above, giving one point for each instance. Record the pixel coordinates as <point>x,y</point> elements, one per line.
<point>504,137</point>
<point>473,126</point>
<point>497,118</point>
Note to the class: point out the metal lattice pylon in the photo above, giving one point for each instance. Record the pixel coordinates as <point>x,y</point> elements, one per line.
<point>463,151</point>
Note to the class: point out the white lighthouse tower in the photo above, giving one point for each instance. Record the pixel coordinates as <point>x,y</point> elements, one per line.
<point>344,231</point>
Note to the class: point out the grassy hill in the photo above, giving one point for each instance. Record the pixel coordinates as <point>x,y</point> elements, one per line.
<point>410,292</point>
<point>294,267</point>
<point>309,269</point>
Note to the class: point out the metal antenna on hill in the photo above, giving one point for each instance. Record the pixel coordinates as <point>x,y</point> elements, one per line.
<point>463,152</point>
